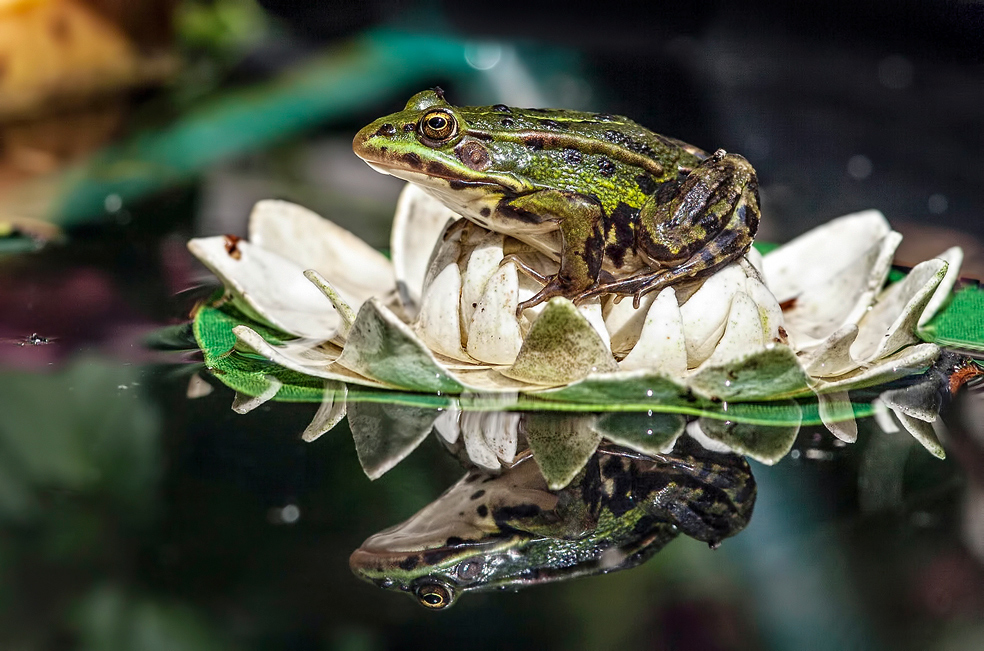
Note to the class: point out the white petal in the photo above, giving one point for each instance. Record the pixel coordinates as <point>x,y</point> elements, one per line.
<point>438,324</point>
<point>356,269</point>
<point>705,314</point>
<point>501,430</point>
<point>477,448</point>
<point>346,314</point>
<point>482,264</point>
<point>743,332</point>
<point>818,254</point>
<point>494,334</point>
<point>625,323</point>
<point>243,404</point>
<point>770,313</point>
<point>953,258</point>
<point>837,415</point>
<point>694,432</point>
<point>268,287</point>
<point>418,223</point>
<point>330,413</point>
<point>908,361</point>
<point>833,356</point>
<point>841,298</point>
<point>447,424</point>
<point>591,310</point>
<point>891,323</point>
<point>661,347</point>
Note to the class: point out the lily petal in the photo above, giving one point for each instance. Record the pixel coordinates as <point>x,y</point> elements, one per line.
<point>330,413</point>
<point>439,323</point>
<point>356,269</point>
<point>661,345</point>
<point>418,223</point>
<point>385,434</point>
<point>268,287</point>
<point>494,334</point>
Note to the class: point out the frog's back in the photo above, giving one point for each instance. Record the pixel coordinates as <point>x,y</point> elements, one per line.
<point>617,158</point>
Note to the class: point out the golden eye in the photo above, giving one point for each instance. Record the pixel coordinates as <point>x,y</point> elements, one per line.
<point>438,125</point>
<point>434,596</point>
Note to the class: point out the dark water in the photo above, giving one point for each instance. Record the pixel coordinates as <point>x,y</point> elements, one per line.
<point>135,517</point>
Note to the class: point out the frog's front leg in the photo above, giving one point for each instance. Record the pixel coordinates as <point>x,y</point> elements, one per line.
<point>579,218</point>
<point>709,220</point>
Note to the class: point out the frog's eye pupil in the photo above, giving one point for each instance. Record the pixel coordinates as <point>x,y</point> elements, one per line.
<point>435,596</point>
<point>438,126</point>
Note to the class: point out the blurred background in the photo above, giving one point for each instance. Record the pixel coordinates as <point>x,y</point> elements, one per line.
<point>135,517</point>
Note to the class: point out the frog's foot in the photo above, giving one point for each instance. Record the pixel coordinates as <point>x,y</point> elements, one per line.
<point>634,286</point>
<point>555,286</point>
<point>523,266</point>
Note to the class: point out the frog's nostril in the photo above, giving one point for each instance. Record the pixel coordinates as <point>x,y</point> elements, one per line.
<point>385,130</point>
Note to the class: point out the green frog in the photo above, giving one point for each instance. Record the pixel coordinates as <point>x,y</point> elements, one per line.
<point>509,530</point>
<point>635,210</point>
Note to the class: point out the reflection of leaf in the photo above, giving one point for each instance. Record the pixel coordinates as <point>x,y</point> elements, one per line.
<point>107,619</point>
<point>649,432</point>
<point>85,429</point>
<point>561,445</point>
<point>385,434</point>
<point>765,443</point>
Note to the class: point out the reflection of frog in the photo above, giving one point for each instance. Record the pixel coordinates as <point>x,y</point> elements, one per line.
<point>490,531</point>
<point>636,210</point>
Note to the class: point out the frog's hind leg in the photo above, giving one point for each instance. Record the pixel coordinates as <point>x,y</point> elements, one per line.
<point>709,222</point>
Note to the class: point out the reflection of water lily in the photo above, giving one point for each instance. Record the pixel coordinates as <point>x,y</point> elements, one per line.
<point>810,315</point>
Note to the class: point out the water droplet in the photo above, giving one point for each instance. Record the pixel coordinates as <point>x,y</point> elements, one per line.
<point>895,72</point>
<point>113,202</point>
<point>937,204</point>
<point>859,167</point>
<point>649,394</point>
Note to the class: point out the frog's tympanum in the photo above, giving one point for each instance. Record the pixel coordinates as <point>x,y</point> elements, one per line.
<point>636,210</point>
<point>508,530</point>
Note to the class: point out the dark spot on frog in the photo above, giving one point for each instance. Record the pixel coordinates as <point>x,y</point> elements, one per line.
<point>408,127</point>
<point>437,555</point>
<point>60,28</point>
<point>482,510</point>
<point>620,232</point>
<point>383,150</point>
<point>646,184</point>
<point>485,212</point>
<point>473,155</point>
<point>572,156</point>
<point>487,137</point>
<point>534,142</point>
<point>458,184</point>
<point>552,124</point>
<point>409,563</point>
<point>454,541</point>
<point>501,108</point>
<point>477,494</point>
<point>413,160</point>
<point>511,212</point>
<point>472,477</point>
<point>504,513</point>
<point>232,246</point>
<point>507,122</point>
<point>605,167</point>
<point>385,130</point>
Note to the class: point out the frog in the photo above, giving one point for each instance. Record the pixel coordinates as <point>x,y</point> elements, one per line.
<point>508,530</point>
<point>635,211</point>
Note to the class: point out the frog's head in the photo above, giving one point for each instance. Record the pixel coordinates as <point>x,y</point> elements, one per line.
<point>428,143</point>
<point>485,532</point>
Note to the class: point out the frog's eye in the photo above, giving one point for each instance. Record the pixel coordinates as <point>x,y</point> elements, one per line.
<point>438,126</point>
<point>434,596</point>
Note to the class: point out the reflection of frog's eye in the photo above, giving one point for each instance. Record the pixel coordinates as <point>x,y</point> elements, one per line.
<point>438,125</point>
<point>434,596</point>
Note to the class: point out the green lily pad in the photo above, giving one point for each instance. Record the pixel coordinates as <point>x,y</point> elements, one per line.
<point>629,391</point>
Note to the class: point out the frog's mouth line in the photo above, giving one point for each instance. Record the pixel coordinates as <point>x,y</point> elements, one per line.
<point>426,179</point>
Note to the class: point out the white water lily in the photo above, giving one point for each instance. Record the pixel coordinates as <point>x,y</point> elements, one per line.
<point>813,314</point>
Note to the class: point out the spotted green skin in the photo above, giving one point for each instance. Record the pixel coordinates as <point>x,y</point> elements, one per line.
<point>636,210</point>
<point>508,531</point>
